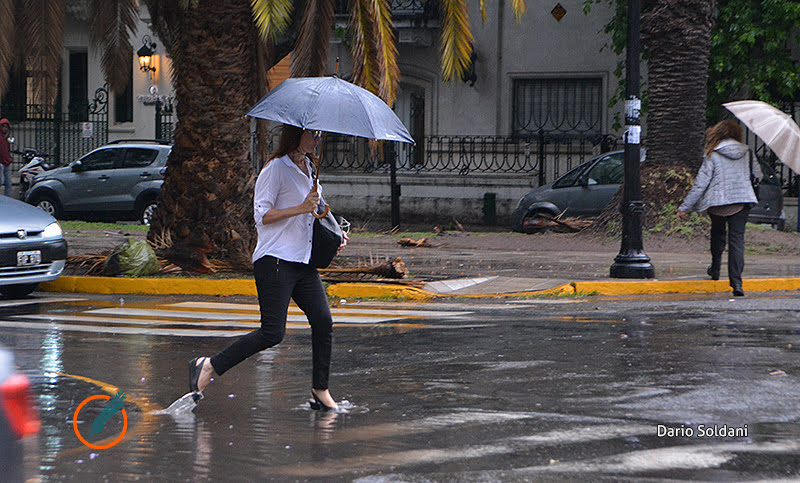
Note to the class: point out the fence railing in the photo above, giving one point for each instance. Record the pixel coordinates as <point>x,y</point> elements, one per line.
<point>63,135</point>
<point>545,156</point>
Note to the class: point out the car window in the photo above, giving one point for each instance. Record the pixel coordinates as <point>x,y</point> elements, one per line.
<point>102,159</point>
<point>571,177</point>
<point>609,170</point>
<point>139,157</point>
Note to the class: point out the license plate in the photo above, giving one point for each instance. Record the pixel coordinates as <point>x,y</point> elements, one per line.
<point>29,258</point>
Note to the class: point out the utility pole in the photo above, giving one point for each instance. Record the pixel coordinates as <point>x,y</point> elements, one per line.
<point>632,262</point>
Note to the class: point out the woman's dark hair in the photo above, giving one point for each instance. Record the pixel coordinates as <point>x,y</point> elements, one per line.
<point>721,131</point>
<point>289,141</point>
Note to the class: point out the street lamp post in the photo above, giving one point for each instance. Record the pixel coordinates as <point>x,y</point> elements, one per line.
<point>632,262</point>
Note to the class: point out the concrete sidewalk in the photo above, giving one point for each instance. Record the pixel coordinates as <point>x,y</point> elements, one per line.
<point>481,271</point>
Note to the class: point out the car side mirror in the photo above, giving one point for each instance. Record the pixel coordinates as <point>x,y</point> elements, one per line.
<point>77,167</point>
<point>583,181</point>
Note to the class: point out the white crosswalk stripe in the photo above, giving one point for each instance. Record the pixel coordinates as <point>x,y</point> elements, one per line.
<point>192,319</point>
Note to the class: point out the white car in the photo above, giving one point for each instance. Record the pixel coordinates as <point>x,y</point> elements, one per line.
<point>32,248</point>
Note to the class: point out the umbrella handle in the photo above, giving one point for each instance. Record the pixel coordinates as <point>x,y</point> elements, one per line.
<point>323,215</point>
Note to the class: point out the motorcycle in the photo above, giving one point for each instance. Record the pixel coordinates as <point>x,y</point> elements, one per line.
<point>35,164</point>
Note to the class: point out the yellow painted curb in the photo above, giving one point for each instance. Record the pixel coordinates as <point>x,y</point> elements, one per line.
<point>378,290</point>
<point>155,286</point>
<point>655,287</point>
<point>198,286</point>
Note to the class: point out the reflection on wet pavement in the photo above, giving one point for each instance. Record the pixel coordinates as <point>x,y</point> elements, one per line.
<point>435,392</point>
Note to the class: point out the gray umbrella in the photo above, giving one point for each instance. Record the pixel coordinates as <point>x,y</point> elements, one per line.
<point>331,104</point>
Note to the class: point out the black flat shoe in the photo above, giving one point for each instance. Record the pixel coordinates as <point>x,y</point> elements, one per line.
<point>317,404</point>
<point>738,292</point>
<point>194,373</point>
<point>714,274</point>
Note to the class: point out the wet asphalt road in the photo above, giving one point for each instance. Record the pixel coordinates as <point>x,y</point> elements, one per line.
<point>590,388</point>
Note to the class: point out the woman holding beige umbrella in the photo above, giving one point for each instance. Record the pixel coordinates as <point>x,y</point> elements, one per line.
<point>723,189</point>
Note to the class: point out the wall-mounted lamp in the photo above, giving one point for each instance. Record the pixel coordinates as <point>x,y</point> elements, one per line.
<point>145,54</point>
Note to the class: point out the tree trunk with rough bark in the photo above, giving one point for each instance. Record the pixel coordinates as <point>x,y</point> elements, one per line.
<point>677,37</point>
<point>206,209</point>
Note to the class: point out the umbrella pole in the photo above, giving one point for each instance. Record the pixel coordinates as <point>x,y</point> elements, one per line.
<point>317,163</point>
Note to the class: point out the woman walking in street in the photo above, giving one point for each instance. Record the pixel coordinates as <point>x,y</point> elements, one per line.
<point>283,203</point>
<point>723,189</point>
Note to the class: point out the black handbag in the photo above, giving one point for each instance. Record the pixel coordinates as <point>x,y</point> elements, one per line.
<point>755,182</point>
<point>326,241</point>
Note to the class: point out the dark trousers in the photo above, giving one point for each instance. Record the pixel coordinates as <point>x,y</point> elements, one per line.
<point>278,281</point>
<point>734,224</point>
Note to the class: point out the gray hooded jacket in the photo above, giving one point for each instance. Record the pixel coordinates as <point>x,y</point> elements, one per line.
<point>723,179</point>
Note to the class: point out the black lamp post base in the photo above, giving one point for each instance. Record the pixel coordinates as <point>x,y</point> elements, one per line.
<point>633,264</point>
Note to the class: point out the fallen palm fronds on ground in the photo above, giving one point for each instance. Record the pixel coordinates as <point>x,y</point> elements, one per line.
<point>408,242</point>
<point>542,222</point>
<point>94,264</point>
<point>392,269</point>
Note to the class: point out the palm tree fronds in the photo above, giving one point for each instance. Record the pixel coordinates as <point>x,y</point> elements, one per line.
<point>366,68</point>
<point>311,51</point>
<point>110,24</point>
<point>272,17</point>
<point>519,7</point>
<point>7,21</point>
<point>456,38</point>
<point>390,71</point>
<point>43,23</point>
<point>483,11</point>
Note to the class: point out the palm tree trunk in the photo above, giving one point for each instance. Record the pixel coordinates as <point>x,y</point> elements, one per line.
<point>677,35</point>
<point>206,202</point>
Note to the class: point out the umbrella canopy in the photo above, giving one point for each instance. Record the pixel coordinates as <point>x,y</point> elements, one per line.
<point>333,105</point>
<point>774,127</point>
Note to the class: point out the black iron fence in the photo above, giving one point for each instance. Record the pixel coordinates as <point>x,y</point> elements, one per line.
<point>545,156</point>
<point>63,135</point>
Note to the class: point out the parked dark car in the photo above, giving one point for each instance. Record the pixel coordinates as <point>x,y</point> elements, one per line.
<point>32,248</point>
<point>120,180</point>
<point>18,418</point>
<point>586,190</point>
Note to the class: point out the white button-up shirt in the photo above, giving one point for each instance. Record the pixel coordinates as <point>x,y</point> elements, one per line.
<point>281,184</point>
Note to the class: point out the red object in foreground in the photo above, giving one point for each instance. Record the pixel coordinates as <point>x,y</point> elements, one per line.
<point>16,402</point>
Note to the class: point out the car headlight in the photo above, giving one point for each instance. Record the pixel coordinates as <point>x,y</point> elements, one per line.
<point>52,230</point>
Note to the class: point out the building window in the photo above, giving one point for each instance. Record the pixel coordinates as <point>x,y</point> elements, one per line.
<point>123,107</point>
<point>564,106</point>
<point>15,102</point>
<point>78,103</point>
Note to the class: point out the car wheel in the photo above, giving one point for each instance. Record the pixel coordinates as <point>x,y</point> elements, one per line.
<point>17,291</point>
<point>147,212</point>
<point>49,205</point>
<point>536,221</point>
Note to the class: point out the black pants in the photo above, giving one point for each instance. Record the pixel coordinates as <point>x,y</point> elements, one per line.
<point>278,281</point>
<point>735,225</point>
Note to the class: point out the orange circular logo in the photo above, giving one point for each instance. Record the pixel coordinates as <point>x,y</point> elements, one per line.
<point>78,433</point>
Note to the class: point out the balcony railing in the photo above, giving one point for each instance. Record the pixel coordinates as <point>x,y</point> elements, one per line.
<point>401,9</point>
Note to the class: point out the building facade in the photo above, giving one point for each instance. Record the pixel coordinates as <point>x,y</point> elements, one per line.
<point>533,105</point>
<point>86,114</point>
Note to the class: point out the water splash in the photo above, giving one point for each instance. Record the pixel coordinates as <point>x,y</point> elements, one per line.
<point>181,408</point>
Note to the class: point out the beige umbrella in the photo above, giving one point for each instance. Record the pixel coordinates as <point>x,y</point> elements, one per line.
<point>776,128</point>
